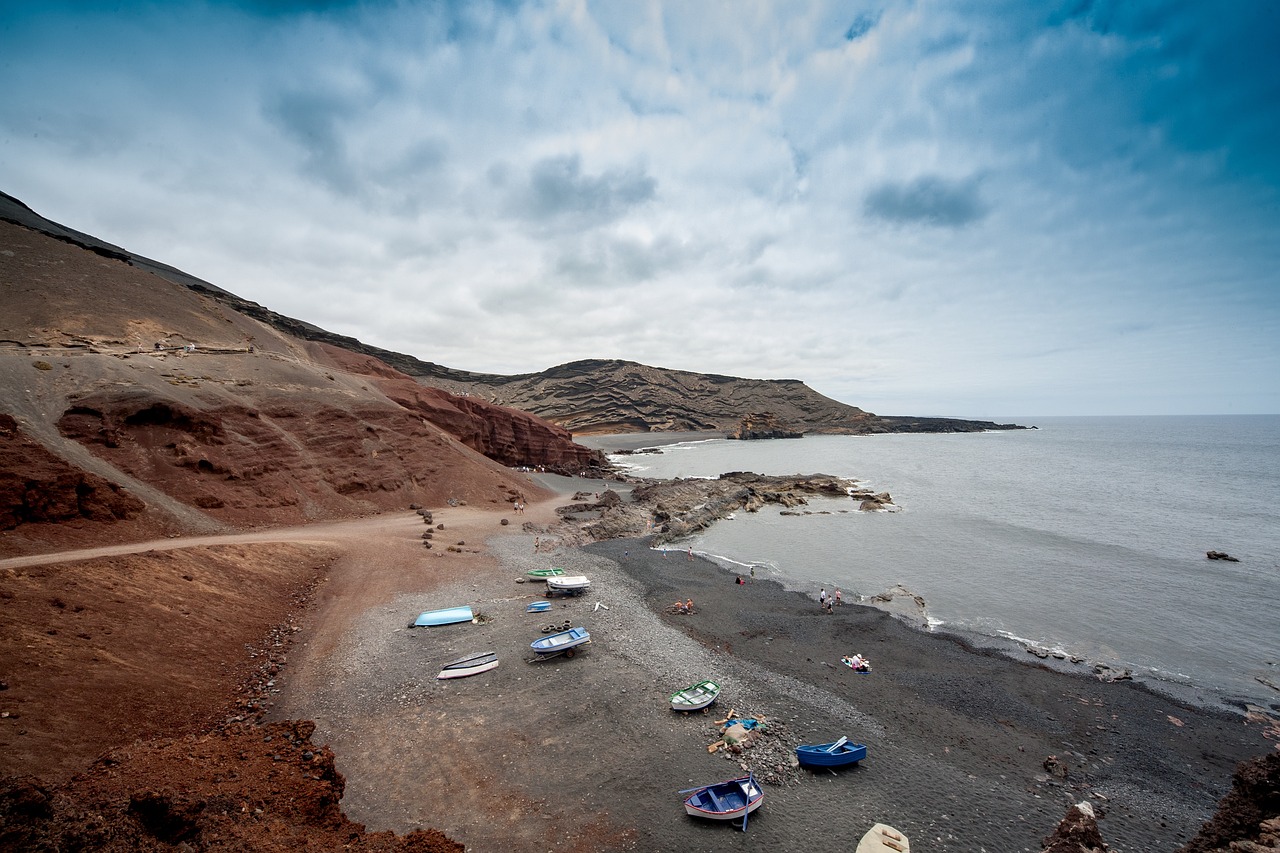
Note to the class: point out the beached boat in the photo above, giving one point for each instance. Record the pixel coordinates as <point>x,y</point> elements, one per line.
<point>538,607</point>
<point>561,642</point>
<point>573,584</point>
<point>883,839</point>
<point>543,574</point>
<point>835,754</point>
<point>696,696</point>
<point>472,664</point>
<point>728,800</point>
<point>447,616</point>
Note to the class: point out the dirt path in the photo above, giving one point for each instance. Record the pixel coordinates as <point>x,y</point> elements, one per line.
<point>329,532</point>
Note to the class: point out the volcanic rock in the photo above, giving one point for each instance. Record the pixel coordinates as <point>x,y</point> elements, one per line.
<point>761,426</point>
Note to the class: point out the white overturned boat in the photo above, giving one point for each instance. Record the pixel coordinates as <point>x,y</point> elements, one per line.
<point>472,664</point>
<point>571,584</point>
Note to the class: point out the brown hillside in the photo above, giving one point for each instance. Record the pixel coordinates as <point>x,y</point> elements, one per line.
<point>214,420</point>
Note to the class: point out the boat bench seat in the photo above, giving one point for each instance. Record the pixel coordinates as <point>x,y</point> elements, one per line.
<point>716,803</point>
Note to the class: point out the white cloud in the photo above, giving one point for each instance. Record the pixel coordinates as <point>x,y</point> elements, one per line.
<point>929,208</point>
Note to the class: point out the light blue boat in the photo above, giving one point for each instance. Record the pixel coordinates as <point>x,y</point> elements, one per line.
<point>538,607</point>
<point>448,616</point>
<point>563,642</point>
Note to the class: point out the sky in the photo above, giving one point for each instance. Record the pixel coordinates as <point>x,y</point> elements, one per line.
<point>971,209</point>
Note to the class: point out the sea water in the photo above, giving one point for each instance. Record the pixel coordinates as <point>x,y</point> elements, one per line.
<point>1086,537</point>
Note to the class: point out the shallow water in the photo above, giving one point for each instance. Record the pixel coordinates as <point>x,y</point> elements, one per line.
<point>1086,536</point>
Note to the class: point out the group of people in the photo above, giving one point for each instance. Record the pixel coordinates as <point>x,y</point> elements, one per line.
<point>826,601</point>
<point>857,663</point>
<point>685,606</point>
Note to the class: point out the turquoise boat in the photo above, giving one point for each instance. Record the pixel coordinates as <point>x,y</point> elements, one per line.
<point>448,616</point>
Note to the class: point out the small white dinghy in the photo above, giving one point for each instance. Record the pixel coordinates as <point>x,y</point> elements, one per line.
<point>572,584</point>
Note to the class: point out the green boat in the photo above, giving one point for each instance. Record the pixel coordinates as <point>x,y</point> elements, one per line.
<point>543,574</point>
<point>697,696</point>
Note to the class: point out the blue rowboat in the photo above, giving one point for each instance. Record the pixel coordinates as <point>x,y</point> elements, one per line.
<point>835,754</point>
<point>728,800</point>
<point>538,607</point>
<point>448,616</point>
<point>561,641</point>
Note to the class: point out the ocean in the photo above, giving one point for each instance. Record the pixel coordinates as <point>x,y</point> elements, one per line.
<point>1085,537</point>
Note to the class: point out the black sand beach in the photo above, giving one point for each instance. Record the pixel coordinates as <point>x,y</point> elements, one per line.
<point>968,750</point>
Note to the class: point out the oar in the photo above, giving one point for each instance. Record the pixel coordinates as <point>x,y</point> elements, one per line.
<point>746,793</point>
<point>837,744</point>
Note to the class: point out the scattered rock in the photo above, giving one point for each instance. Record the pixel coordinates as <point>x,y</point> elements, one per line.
<point>1077,833</point>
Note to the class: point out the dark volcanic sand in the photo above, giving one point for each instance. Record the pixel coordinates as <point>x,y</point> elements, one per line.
<point>958,740</point>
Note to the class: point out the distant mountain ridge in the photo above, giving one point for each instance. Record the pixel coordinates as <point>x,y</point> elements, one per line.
<point>591,396</point>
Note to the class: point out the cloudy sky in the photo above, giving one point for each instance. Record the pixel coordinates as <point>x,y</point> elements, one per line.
<point>976,209</point>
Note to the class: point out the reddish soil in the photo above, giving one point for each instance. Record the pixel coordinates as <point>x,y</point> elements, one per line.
<point>155,670</point>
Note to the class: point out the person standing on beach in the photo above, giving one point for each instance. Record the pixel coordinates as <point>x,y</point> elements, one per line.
<point>822,598</point>
<point>690,552</point>
<point>753,573</point>
<point>839,600</point>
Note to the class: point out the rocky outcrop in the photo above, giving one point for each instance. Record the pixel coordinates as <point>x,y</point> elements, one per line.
<point>666,510</point>
<point>761,426</point>
<point>1248,817</point>
<point>38,487</point>
<point>1077,833</point>
<point>1219,555</point>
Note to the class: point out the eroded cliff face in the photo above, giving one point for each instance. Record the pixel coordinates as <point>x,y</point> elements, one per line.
<point>37,487</point>
<point>510,436</point>
<point>283,461</point>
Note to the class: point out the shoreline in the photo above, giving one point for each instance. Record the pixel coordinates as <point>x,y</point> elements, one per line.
<point>1241,689</point>
<point>1018,650</point>
<point>1019,733</point>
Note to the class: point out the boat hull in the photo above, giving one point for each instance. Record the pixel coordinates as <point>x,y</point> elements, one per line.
<point>543,574</point>
<point>821,755</point>
<point>883,839</point>
<point>448,616</point>
<point>569,583</point>
<point>473,665</point>
<point>695,697</point>
<point>538,607</point>
<point>729,800</point>
<point>561,641</point>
